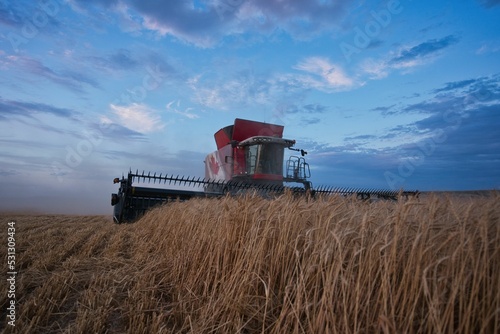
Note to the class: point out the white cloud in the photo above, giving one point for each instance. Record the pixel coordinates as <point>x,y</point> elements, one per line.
<point>138,117</point>
<point>407,58</point>
<point>224,92</point>
<point>409,65</point>
<point>380,68</point>
<point>488,48</point>
<point>210,98</point>
<point>374,69</point>
<point>325,75</point>
<point>174,107</point>
<point>244,88</point>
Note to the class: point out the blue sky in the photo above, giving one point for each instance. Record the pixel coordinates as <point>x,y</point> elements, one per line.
<point>390,94</point>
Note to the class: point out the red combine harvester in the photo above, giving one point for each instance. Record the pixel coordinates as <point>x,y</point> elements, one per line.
<point>249,156</point>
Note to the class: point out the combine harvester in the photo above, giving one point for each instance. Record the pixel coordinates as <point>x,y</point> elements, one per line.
<point>249,156</point>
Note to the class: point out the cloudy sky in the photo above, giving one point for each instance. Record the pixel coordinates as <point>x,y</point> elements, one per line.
<point>383,94</point>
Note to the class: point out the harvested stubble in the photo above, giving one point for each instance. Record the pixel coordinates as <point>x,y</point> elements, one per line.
<point>251,265</point>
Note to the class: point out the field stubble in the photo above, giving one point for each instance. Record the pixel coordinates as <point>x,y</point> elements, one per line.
<point>246,264</point>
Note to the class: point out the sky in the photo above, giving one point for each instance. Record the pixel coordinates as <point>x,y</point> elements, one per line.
<point>382,94</point>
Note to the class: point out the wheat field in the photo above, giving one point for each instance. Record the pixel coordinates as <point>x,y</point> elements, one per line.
<point>253,265</point>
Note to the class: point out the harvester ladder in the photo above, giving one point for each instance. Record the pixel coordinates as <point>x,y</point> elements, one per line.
<point>297,168</point>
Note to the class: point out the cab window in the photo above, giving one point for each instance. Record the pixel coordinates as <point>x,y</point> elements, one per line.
<point>264,159</point>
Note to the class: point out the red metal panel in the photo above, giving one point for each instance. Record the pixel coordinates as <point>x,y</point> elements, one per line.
<point>244,129</point>
<point>223,136</point>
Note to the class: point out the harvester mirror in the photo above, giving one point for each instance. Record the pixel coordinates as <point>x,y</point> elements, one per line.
<point>302,152</point>
<point>114,199</point>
